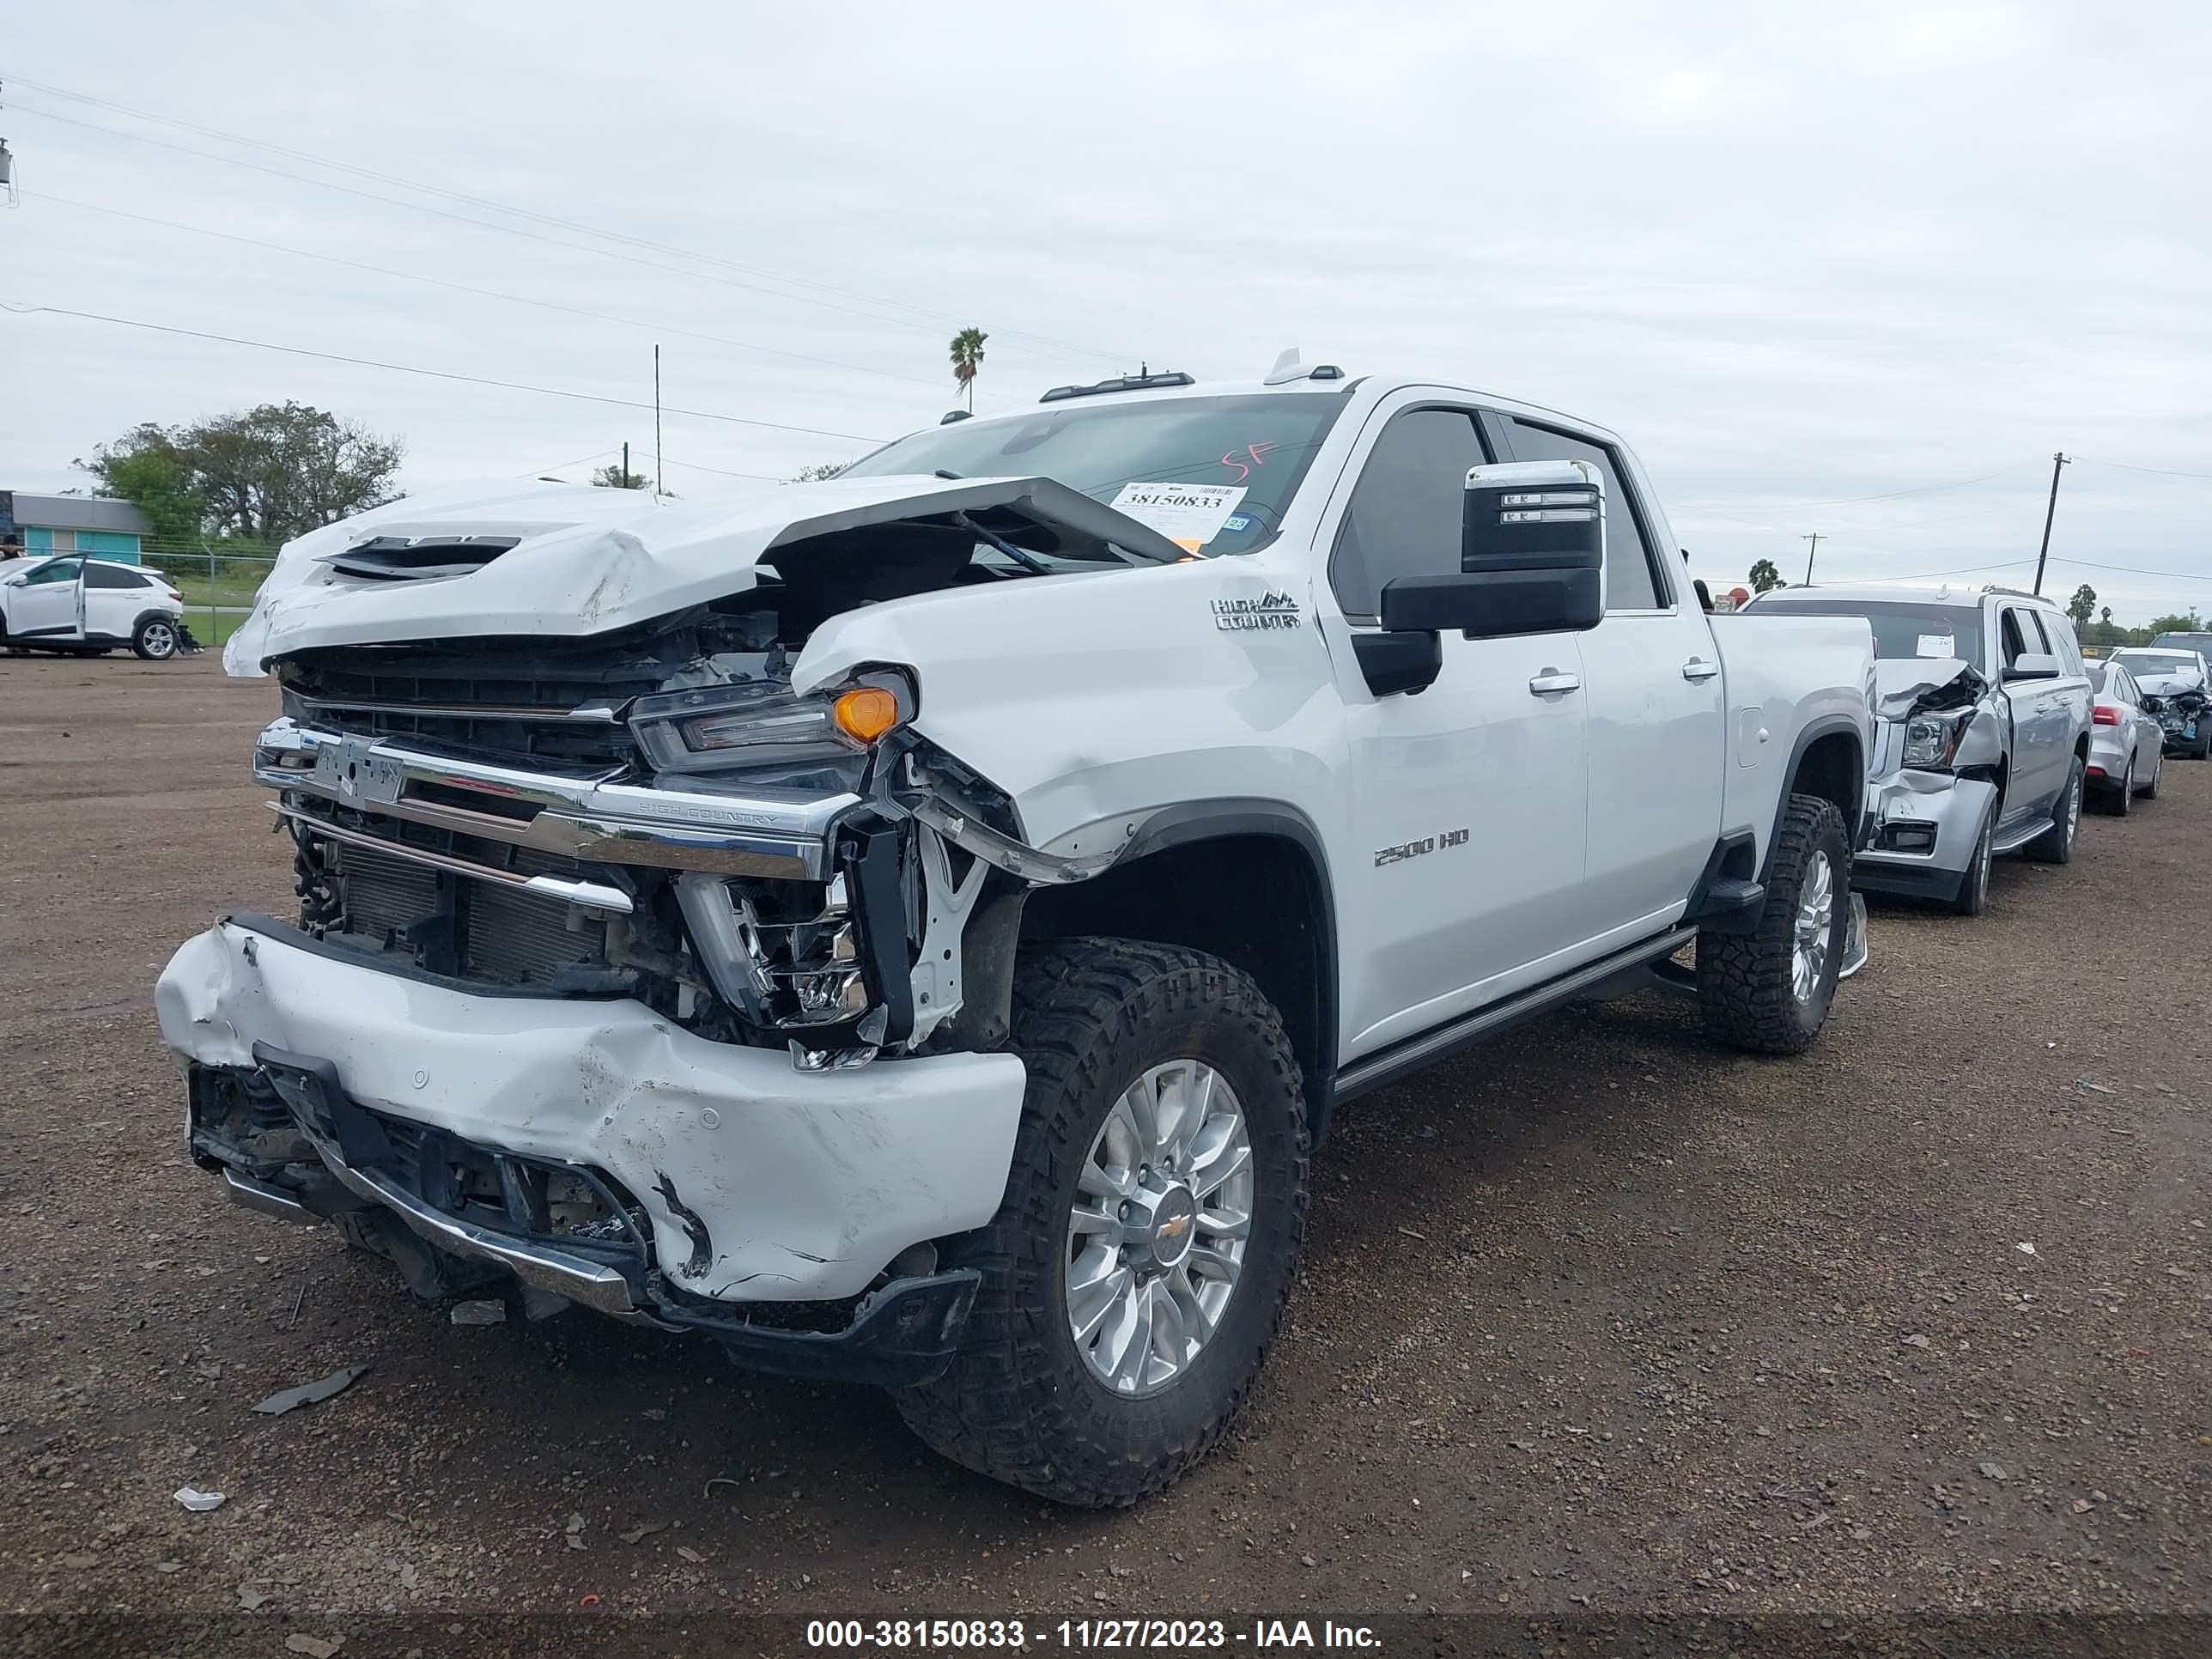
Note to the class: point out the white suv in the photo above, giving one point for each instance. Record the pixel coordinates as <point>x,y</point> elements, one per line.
<point>90,607</point>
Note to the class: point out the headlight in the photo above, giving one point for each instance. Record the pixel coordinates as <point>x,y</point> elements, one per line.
<point>722,727</point>
<point>1930,740</point>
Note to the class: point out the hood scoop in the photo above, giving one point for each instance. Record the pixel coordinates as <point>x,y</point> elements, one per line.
<point>417,559</point>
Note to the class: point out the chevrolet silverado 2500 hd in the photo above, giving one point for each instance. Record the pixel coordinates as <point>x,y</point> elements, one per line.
<point>911,927</point>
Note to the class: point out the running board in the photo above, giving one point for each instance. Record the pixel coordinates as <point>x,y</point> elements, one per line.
<point>1411,1053</point>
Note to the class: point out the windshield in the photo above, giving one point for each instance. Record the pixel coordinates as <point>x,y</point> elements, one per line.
<point>2157,662</point>
<point>2201,643</point>
<point>1214,473</point>
<point>1900,630</point>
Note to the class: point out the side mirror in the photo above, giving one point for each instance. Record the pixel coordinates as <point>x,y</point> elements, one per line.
<point>1532,552</point>
<point>1532,555</point>
<point>2031,665</point>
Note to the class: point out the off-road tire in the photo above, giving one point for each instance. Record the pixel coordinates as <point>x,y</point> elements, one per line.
<point>1019,1403</point>
<point>1745,985</point>
<point>2055,844</point>
<point>1973,895</point>
<point>155,639</point>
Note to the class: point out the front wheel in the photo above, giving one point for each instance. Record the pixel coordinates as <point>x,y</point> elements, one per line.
<point>2055,844</point>
<point>1768,990</point>
<point>155,639</point>
<point>1136,1273</point>
<point>1973,895</point>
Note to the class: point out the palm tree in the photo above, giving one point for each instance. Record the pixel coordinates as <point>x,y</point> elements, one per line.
<point>967,358</point>
<point>1765,578</point>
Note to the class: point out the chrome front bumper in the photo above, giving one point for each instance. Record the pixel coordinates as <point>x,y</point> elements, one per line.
<point>760,1182</point>
<point>748,831</point>
<point>1921,830</point>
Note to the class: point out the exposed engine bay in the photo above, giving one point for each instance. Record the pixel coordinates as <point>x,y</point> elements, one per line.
<point>654,813</point>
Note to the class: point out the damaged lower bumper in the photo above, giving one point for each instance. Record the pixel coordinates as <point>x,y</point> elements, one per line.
<point>594,1150</point>
<point>1922,828</point>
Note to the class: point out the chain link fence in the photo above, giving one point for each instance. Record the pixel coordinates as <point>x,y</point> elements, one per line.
<point>218,581</point>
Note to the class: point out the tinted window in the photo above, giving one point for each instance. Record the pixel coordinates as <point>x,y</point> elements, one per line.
<point>2018,642</point>
<point>1408,507</point>
<point>2102,676</point>
<point>1629,582</point>
<point>106,576</point>
<point>61,570</point>
<point>1260,444</point>
<point>1899,630</point>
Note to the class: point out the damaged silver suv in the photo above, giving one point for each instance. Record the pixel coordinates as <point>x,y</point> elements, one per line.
<point>1983,705</point>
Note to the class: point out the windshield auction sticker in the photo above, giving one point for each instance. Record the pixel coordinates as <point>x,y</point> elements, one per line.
<point>1189,515</point>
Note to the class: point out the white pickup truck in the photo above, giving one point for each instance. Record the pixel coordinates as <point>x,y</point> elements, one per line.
<point>913,928</point>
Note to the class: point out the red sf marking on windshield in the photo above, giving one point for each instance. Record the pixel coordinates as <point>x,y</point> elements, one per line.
<point>1256,451</point>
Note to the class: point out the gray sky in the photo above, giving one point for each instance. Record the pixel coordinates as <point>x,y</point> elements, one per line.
<point>1796,254</point>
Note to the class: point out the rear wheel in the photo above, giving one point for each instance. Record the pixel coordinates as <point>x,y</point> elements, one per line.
<point>2117,801</point>
<point>2055,844</point>
<point>155,639</point>
<point>1135,1273</point>
<point>1768,990</point>
<point>2149,791</point>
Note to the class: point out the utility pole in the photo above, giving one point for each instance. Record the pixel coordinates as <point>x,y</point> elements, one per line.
<point>2044,552</point>
<point>1815,539</point>
<point>658,472</point>
<point>625,478</point>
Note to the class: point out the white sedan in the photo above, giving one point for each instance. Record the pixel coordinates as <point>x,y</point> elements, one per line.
<point>90,606</point>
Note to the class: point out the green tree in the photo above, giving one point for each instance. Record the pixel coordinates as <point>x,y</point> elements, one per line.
<point>1765,578</point>
<point>612,477</point>
<point>2082,604</point>
<point>817,473</point>
<point>265,474</point>
<point>967,358</point>
<point>155,482</point>
<point>2105,616</point>
<point>2181,622</point>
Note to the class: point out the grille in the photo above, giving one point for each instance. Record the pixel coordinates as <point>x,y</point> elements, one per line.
<point>498,934</point>
<point>502,703</point>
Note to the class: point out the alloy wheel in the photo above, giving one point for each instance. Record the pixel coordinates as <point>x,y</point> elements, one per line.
<point>1816,903</point>
<point>1156,1236</point>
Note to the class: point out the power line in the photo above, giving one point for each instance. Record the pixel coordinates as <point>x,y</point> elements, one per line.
<point>1043,345</point>
<point>435,373</point>
<point>2162,471</point>
<point>484,293</point>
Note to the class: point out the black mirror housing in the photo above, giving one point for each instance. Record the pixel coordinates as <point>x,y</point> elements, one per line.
<point>1496,604</point>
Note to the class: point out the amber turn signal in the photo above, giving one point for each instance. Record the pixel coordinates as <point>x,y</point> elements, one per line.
<point>866,712</point>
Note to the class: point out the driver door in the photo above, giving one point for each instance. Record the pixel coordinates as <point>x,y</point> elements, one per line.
<point>48,603</point>
<point>1468,799</point>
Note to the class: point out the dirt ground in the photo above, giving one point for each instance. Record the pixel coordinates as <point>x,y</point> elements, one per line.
<point>1597,1318</point>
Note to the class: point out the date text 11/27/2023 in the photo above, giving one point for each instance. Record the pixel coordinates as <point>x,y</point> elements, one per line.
<point>940,1635</point>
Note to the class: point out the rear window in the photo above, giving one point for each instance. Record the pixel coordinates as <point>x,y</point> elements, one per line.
<point>1900,630</point>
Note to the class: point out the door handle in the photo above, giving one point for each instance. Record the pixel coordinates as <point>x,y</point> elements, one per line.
<point>1698,669</point>
<point>1551,680</point>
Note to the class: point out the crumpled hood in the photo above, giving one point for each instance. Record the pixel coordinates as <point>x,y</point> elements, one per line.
<point>1905,686</point>
<point>2170,686</point>
<point>587,561</point>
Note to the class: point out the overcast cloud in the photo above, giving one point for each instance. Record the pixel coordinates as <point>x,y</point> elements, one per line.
<point>1795,255</point>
